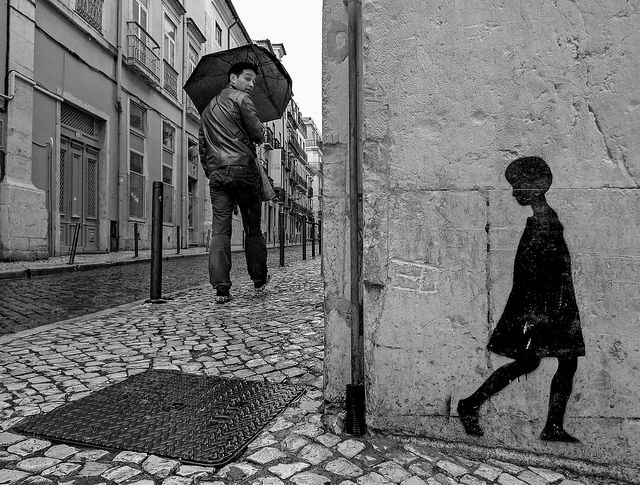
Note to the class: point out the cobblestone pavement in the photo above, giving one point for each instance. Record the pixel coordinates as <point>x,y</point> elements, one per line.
<point>277,336</point>
<point>31,302</point>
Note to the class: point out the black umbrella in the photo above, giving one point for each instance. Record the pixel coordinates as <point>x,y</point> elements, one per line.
<point>272,90</point>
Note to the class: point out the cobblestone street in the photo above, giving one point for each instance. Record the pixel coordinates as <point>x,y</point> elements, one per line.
<point>30,302</point>
<point>277,336</point>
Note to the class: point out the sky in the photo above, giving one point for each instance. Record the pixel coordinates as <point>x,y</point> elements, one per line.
<point>298,25</point>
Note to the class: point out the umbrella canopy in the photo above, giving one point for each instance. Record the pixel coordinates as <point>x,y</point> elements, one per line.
<point>272,90</point>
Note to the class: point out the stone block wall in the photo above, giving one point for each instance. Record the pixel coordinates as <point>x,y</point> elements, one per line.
<point>452,93</point>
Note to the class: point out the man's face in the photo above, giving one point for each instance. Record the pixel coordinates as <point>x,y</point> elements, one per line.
<point>244,81</point>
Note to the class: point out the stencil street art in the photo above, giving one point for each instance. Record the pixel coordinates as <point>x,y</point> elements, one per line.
<point>541,316</point>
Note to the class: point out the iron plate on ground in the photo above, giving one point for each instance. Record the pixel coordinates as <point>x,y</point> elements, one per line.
<point>197,419</point>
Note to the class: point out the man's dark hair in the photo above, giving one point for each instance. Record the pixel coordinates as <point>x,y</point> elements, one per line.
<point>238,67</point>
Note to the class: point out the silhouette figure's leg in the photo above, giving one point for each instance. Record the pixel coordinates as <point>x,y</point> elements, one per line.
<point>561,387</point>
<point>469,408</point>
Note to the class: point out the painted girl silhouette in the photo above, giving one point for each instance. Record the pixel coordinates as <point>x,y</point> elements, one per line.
<point>541,316</point>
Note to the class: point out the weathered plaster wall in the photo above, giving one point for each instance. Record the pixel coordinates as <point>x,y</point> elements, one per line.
<point>453,92</point>
<point>335,226</point>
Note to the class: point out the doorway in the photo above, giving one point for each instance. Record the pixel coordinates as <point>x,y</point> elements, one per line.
<point>78,195</point>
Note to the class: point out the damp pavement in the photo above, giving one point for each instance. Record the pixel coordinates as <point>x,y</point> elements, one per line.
<point>34,293</point>
<point>277,336</point>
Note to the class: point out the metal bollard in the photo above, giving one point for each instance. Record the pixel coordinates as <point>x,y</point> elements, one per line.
<point>156,245</point>
<point>313,239</point>
<point>136,236</point>
<point>74,246</point>
<point>281,236</point>
<point>304,239</point>
<point>177,239</point>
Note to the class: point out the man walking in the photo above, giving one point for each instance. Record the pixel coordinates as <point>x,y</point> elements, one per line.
<point>229,132</point>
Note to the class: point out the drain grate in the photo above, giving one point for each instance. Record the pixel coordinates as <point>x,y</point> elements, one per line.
<point>199,420</point>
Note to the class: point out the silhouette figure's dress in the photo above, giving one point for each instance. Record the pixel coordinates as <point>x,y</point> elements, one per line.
<point>541,315</point>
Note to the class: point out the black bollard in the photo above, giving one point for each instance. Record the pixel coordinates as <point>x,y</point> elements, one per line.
<point>281,236</point>
<point>319,238</point>
<point>313,239</point>
<point>304,238</point>
<point>74,246</point>
<point>178,239</point>
<point>136,236</point>
<point>156,245</point>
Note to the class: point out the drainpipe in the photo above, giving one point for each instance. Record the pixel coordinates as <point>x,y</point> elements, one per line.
<point>5,97</point>
<point>355,395</point>
<point>184,173</point>
<point>122,152</point>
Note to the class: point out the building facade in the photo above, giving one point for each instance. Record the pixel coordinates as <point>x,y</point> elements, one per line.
<point>93,112</point>
<point>315,162</point>
<point>426,105</point>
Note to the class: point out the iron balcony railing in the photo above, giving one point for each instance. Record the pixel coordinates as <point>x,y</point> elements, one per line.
<point>91,12</point>
<point>170,80</point>
<point>293,141</point>
<point>293,119</point>
<point>303,127</point>
<point>268,138</point>
<point>141,54</point>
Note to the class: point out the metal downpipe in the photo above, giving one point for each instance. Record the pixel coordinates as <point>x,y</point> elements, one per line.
<point>355,396</point>
<point>122,153</point>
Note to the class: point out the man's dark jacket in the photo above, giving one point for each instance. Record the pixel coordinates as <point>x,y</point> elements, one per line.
<point>229,128</point>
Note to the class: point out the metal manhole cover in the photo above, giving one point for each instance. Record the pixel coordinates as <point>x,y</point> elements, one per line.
<point>197,419</point>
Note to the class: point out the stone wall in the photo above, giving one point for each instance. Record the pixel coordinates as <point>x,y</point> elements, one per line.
<point>453,92</point>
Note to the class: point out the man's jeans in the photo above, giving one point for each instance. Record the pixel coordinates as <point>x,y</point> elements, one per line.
<point>240,185</point>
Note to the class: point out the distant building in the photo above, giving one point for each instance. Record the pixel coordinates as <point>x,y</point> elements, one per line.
<point>315,161</point>
<point>92,112</point>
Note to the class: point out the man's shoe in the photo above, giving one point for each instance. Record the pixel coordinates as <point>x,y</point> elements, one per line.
<point>260,286</point>
<point>222,296</point>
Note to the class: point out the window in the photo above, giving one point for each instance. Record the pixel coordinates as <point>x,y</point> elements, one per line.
<point>169,41</point>
<point>140,12</point>
<point>91,12</point>
<point>137,182</point>
<point>193,59</point>
<point>168,149</point>
<point>169,52</point>
<point>218,34</point>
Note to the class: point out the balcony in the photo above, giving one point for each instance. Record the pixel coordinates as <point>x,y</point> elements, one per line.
<point>293,119</point>
<point>313,144</point>
<point>170,80</point>
<point>301,181</point>
<point>268,138</point>
<point>286,160</point>
<point>302,125</point>
<point>91,12</point>
<point>141,55</point>
<point>192,111</point>
<point>294,144</point>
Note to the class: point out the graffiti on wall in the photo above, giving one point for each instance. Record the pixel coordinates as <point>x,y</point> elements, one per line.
<point>541,316</point>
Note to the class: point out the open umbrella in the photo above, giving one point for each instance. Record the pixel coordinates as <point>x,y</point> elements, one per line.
<point>272,90</point>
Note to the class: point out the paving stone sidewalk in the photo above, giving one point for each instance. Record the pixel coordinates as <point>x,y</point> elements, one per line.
<point>277,336</point>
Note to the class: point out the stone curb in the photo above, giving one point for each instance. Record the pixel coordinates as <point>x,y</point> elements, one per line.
<point>46,271</point>
<point>61,269</point>
<point>482,453</point>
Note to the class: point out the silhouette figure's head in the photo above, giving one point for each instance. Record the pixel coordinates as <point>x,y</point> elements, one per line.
<point>530,178</point>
